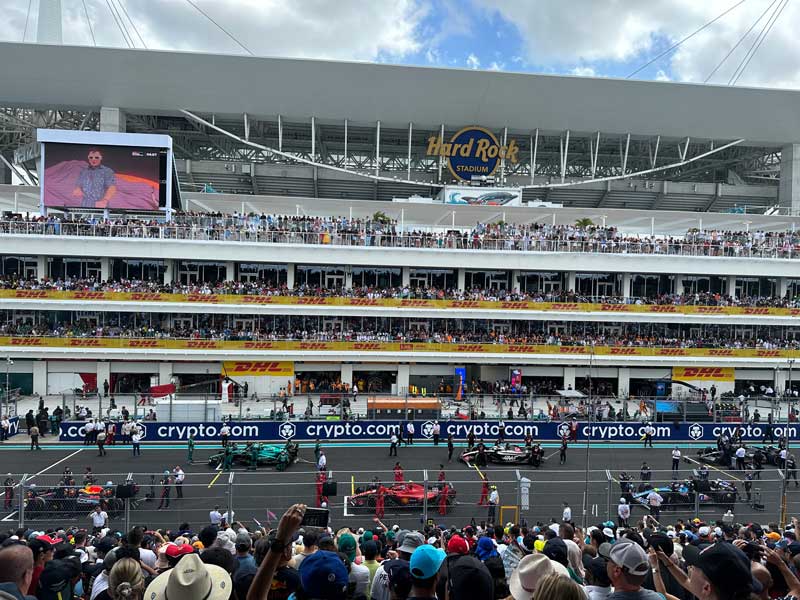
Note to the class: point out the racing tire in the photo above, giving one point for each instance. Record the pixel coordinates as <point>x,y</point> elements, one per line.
<point>370,502</point>
<point>116,505</point>
<point>213,461</point>
<point>35,506</point>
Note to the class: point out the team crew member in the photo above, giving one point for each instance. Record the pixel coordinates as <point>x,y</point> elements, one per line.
<point>34,433</point>
<point>566,515</point>
<point>654,501</point>
<point>441,477</point>
<point>136,438</point>
<point>5,427</point>
<point>494,500</point>
<point>740,454</point>
<point>676,459</point>
<point>165,489</point>
<point>410,433</point>
<point>573,430</point>
<point>321,479</point>
<point>8,488</point>
<point>322,463</point>
<point>437,429</point>
<point>224,433</point>
<point>227,458</point>
<point>101,442</point>
<point>450,448</point>
<point>380,501</point>
<point>649,432</point>
<point>470,440</point>
<point>791,472</point>
<point>179,478</point>
<point>484,490</point>
<point>190,449</point>
<point>393,441</point>
<point>99,519</point>
<point>398,473</point>
<point>562,453</point>
<point>443,499</point>
<point>748,485</point>
<point>644,472</point>
<point>317,450</point>
<point>623,513</point>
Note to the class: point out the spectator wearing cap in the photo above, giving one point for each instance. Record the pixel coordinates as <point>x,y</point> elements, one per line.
<point>323,576</point>
<point>424,566</point>
<point>718,572</point>
<point>57,580</point>
<point>627,567</point>
<point>191,579</point>
<point>174,552</point>
<point>245,561</point>
<point>358,574</point>
<point>485,548</point>
<point>464,578</point>
<point>529,573</point>
<point>598,585</point>
<point>42,548</point>
<point>407,543</point>
<point>16,571</point>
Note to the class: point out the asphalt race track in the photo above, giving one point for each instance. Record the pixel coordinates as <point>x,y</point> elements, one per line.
<point>253,495</point>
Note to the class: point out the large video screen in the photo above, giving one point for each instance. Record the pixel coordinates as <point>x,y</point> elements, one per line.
<point>104,176</point>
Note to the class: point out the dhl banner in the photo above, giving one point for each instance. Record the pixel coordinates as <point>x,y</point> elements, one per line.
<point>704,373</point>
<point>262,368</point>
<point>387,347</point>
<point>253,300</point>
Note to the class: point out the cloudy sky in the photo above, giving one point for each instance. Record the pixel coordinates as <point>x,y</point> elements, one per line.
<point>603,38</point>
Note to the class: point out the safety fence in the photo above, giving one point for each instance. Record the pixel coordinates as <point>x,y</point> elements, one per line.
<point>525,495</point>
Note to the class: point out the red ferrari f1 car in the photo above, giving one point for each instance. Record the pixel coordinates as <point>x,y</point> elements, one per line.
<point>401,495</point>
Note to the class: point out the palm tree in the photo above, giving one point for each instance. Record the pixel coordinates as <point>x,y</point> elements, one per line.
<point>584,223</point>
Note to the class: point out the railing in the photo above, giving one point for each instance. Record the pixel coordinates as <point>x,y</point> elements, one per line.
<point>375,239</point>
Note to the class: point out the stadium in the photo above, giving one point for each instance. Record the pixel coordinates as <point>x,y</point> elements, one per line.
<point>550,271</point>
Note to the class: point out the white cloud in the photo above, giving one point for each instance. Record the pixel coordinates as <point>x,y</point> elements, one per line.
<point>583,72</point>
<point>473,62</point>
<point>497,66</point>
<point>661,75</point>
<point>619,31</point>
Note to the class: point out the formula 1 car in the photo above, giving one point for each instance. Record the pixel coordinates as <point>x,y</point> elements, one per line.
<point>507,454</point>
<point>680,495</point>
<point>74,501</point>
<point>267,455</point>
<point>401,495</point>
<point>770,455</point>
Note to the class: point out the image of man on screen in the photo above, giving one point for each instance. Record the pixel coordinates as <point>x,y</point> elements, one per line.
<point>96,184</point>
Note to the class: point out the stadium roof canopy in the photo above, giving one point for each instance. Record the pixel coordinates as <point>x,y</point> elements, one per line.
<point>158,82</point>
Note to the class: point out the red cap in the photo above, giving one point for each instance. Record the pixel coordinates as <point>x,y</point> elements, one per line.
<point>52,540</point>
<point>177,550</point>
<point>457,545</point>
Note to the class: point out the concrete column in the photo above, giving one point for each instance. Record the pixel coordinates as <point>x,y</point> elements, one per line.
<point>781,380</point>
<point>569,377</point>
<point>169,272</point>
<point>626,285</point>
<point>103,374</point>
<point>348,279</point>
<point>405,275</point>
<point>783,286</point>
<point>403,378</point>
<point>40,377</point>
<point>105,268</point>
<point>789,187</point>
<point>230,271</point>
<point>164,373</point>
<point>678,285</point>
<point>731,285</point>
<point>290,276</point>
<point>112,119</point>
<point>347,373</point>
<point>41,267</point>
<point>623,381</point>
<point>515,275</point>
<point>571,281</point>
<point>461,282</point>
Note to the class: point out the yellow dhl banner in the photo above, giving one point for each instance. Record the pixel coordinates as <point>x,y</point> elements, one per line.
<point>261,368</point>
<point>704,373</point>
<point>253,300</point>
<point>385,347</point>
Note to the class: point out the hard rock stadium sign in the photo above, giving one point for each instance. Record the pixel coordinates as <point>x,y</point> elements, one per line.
<point>472,152</point>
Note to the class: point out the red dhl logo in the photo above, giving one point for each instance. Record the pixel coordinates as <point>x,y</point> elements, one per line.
<point>366,346</point>
<point>565,306</point>
<point>721,352</point>
<point>414,303</point>
<point>703,372</point>
<point>623,351</point>
<point>709,310</point>
<point>406,347</point>
<point>614,307</point>
<point>364,302</point>
<point>514,305</point>
<point>201,344</point>
<point>756,310</point>
<point>671,352</point>
<point>258,367</point>
<point>259,345</point>
<point>469,348</point>
<point>144,296</point>
<point>524,349</point>
<point>85,343</point>
<point>31,294</point>
<point>313,346</point>
<point>27,342</point>
<point>204,298</point>
<point>465,303</point>
<point>143,343</point>
<point>311,300</point>
<point>89,295</point>
<point>572,350</point>
<point>794,311</point>
<point>663,309</point>
<point>768,353</point>
<point>257,300</point>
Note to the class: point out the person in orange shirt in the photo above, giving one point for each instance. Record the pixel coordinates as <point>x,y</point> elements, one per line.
<point>484,491</point>
<point>398,473</point>
<point>380,501</point>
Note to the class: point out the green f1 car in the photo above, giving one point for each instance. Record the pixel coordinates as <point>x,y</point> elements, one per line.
<point>265,455</point>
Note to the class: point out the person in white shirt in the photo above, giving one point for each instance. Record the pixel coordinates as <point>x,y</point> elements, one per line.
<point>228,517</point>
<point>99,519</point>
<point>566,515</point>
<point>623,513</point>
<point>676,459</point>
<point>410,433</point>
<point>88,430</point>
<point>179,477</point>
<point>5,427</point>
<point>322,463</point>
<point>654,501</point>
<point>215,516</point>
<point>224,432</point>
<point>136,437</point>
<point>494,500</point>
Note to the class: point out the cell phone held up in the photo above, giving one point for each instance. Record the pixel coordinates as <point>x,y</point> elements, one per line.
<point>316,517</point>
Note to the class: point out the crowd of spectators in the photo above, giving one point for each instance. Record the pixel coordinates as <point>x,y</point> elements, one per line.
<point>647,560</point>
<point>264,288</point>
<point>386,232</point>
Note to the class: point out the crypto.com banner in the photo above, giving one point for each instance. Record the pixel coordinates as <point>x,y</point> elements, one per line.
<point>486,430</point>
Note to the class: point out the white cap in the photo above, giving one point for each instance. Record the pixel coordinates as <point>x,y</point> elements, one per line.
<point>703,531</point>
<point>608,532</point>
<point>623,501</point>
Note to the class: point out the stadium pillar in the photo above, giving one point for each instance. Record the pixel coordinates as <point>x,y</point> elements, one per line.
<point>164,373</point>
<point>403,378</point>
<point>40,377</point>
<point>41,267</point>
<point>783,286</point>
<point>569,378</point>
<point>571,279</point>
<point>462,279</point>
<point>781,381</point>
<point>515,275</point>
<point>230,271</point>
<point>290,276</point>
<point>626,285</point>
<point>103,374</point>
<point>789,187</point>
<point>347,374</point>
<point>169,270</point>
<point>731,286</point>
<point>105,268</point>
<point>112,119</point>
<point>678,285</point>
<point>623,381</point>
<point>405,276</point>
